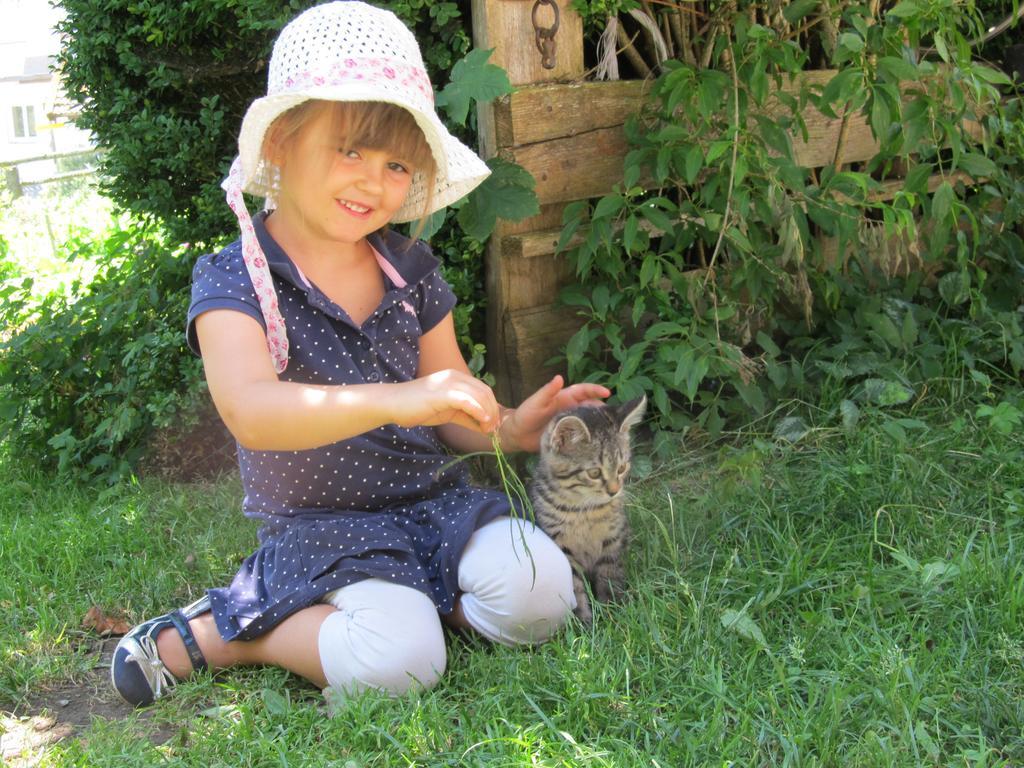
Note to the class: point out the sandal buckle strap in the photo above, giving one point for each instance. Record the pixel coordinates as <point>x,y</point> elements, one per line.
<point>191,646</point>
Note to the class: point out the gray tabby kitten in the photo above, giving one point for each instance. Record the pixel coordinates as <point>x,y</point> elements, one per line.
<point>577,496</point>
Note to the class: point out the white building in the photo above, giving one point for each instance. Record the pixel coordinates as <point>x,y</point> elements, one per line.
<point>34,117</point>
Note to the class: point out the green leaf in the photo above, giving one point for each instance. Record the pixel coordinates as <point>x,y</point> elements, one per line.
<point>908,562</point>
<point>751,394</point>
<point>905,9</point>
<point>695,375</point>
<point>895,431</point>
<point>851,42</point>
<point>774,136</point>
<point>741,623</point>
<point>926,741</point>
<point>661,399</point>
<point>938,571</point>
<point>767,344</point>
<point>472,79</point>
<point>661,163</point>
<point>1004,418</point>
<point>916,181</point>
<point>883,325</point>
<point>793,12</point>
<point>880,116</point>
<point>629,233</point>
<point>507,193</point>
<point>717,149</point>
<point>694,162</point>
<point>578,345</point>
<point>600,299</point>
<point>976,164</point>
<point>897,68</point>
<point>712,91</point>
<point>758,84</point>
<point>791,429</point>
<point>990,75</point>
<point>955,288</point>
<point>662,329</point>
<point>840,88</point>
<point>574,296</point>
<point>608,206</point>
<point>942,202</point>
<point>657,217</point>
<point>275,702</point>
<point>909,332</point>
<point>432,224</point>
<point>682,364</point>
<point>649,270</point>
<point>885,393</point>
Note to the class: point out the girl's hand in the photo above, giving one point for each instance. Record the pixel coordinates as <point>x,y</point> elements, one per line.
<point>523,427</point>
<point>446,397</point>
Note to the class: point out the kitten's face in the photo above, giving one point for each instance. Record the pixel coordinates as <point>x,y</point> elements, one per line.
<point>587,450</point>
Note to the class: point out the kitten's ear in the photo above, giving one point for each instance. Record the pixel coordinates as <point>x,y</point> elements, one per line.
<point>568,432</point>
<point>630,413</point>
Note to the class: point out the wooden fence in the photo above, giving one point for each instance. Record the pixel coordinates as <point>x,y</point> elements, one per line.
<point>14,182</point>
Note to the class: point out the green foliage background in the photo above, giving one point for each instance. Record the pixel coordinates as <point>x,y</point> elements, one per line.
<point>88,372</point>
<point>705,280</point>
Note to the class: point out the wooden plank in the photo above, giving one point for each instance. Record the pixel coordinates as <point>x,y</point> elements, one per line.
<point>532,244</point>
<point>536,282</point>
<point>534,337</point>
<point>576,167</point>
<point>545,112</point>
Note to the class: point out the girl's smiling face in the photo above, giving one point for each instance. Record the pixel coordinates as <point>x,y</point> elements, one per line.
<point>333,193</point>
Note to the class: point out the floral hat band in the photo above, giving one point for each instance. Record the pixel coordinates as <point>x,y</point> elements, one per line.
<point>346,52</point>
<point>413,79</point>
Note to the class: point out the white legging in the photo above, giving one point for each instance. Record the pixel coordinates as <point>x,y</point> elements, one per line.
<point>390,637</point>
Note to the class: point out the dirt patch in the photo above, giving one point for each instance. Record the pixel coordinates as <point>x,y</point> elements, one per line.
<point>190,452</point>
<point>64,712</point>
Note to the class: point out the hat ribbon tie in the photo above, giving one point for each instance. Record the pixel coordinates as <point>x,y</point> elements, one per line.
<point>258,269</point>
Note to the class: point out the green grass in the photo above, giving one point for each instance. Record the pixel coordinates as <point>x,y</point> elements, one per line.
<point>853,599</point>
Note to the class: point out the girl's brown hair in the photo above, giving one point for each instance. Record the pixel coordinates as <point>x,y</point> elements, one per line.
<point>362,125</point>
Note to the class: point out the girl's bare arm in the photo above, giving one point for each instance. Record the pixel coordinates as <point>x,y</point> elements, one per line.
<point>264,413</point>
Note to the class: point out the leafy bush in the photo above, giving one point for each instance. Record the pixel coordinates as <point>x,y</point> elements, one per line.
<point>716,289</point>
<point>85,375</point>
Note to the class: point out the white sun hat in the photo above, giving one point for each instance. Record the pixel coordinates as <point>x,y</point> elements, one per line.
<point>342,51</point>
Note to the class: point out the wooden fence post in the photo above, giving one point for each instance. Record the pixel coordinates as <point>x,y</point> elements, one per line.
<point>507,27</point>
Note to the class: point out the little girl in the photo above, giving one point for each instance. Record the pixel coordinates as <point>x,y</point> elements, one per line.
<point>330,353</point>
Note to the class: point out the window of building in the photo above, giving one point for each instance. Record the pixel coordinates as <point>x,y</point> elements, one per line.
<point>24,122</point>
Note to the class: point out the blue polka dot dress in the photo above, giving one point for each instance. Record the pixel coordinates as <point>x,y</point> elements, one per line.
<point>387,504</point>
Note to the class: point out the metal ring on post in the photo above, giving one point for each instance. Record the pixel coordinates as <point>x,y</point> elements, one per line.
<point>545,36</point>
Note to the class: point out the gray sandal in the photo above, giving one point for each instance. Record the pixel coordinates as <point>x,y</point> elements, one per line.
<point>136,670</point>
